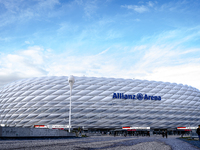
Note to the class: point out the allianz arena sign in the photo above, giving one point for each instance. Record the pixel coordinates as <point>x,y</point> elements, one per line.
<point>139,96</point>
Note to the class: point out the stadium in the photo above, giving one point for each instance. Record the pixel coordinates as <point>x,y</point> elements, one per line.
<point>99,103</point>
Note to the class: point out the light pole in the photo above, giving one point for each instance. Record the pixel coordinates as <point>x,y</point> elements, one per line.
<point>71,82</point>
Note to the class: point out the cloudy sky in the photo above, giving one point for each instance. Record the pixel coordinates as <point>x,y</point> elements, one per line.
<point>153,40</point>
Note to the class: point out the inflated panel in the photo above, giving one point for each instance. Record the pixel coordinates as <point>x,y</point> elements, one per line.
<point>45,101</point>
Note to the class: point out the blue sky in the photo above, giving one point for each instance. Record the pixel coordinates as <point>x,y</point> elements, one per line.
<point>153,40</point>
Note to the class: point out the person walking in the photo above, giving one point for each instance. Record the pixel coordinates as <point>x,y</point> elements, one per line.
<point>166,133</point>
<point>125,134</point>
<point>198,132</point>
<point>163,134</point>
<point>148,133</point>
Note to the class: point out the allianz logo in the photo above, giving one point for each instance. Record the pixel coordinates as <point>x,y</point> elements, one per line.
<point>139,96</point>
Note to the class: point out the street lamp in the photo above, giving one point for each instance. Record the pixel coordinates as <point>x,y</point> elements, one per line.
<point>71,82</point>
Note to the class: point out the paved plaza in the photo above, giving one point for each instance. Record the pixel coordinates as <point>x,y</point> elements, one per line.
<point>100,142</point>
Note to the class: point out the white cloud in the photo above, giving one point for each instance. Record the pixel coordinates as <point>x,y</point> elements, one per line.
<point>24,64</point>
<point>162,59</point>
<point>154,65</point>
<point>138,48</point>
<point>136,8</point>
<point>4,39</point>
<point>79,2</point>
<point>47,3</point>
<point>164,55</point>
<point>182,74</point>
<point>90,8</point>
<point>151,4</point>
<point>103,51</point>
<point>34,54</point>
<point>35,62</point>
<point>141,8</point>
<point>112,34</point>
<point>21,11</point>
<point>137,20</point>
<point>92,65</point>
<point>27,42</point>
<point>165,58</point>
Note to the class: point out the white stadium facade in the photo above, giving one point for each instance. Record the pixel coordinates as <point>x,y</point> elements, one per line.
<point>99,103</point>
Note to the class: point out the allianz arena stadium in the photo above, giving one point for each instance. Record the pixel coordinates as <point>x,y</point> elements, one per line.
<point>100,103</point>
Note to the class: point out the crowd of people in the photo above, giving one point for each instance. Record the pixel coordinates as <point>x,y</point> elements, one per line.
<point>164,134</point>
<point>139,133</point>
<point>135,133</point>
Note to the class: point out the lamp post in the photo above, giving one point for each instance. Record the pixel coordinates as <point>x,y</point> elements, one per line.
<point>71,82</point>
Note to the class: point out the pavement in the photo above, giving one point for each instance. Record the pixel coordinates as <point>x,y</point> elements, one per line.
<point>99,143</point>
